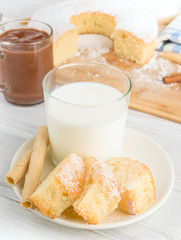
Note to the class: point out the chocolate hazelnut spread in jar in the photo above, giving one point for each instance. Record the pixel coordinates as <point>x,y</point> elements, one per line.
<point>26,56</point>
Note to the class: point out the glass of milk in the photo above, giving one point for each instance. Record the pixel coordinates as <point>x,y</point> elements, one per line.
<point>86,106</point>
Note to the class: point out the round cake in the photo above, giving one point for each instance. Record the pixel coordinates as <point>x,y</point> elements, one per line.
<point>132,29</point>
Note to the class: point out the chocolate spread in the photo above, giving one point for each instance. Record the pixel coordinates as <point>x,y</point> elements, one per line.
<point>26,57</point>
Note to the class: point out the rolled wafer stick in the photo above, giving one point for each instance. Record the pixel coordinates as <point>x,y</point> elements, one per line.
<point>35,166</point>
<point>19,169</point>
<point>174,57</point>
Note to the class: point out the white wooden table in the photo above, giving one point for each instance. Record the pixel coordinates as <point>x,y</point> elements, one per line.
<point>17,124</point>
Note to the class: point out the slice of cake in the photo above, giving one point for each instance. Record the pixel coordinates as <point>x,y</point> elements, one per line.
<point>136,184</point>
<point>61,186</point>
<point>100,195</point>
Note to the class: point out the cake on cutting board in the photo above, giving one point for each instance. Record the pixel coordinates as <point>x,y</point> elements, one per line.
<point>149,93</point>
<point>132,29</point>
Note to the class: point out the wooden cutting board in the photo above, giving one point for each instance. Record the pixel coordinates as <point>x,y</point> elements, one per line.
<point>153,101</point>
<point>149,94</point>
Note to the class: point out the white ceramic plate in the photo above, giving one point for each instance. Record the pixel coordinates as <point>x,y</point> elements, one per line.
<point>136,146</point>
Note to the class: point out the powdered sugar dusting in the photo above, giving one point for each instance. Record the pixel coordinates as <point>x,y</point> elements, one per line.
<point>57,16</point>
<point>128,16</point>
<point>151,73</point>
<point>106,187</point>
<point>129,178</point>
<point>90,55</point>
<point>107,180</point>
<point>159,8</point>
<point>91,47</point>
<point>71,174</point>
<point>154,71</point>
<point>94,41</point>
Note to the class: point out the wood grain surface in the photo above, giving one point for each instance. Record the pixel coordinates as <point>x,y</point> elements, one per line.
<point>166,105</point>
<point>148,96</point>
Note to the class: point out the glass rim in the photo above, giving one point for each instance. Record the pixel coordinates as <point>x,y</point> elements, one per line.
<point>25,20</point>
<point>84,105</point>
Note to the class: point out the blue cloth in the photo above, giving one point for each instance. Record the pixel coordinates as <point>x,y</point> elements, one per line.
<point>170,39</point>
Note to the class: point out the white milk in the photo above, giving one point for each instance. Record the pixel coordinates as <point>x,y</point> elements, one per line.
<point>86,130</point>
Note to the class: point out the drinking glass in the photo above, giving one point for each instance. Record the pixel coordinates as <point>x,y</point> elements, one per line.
<point>86,106</point>
<point>24,64</point>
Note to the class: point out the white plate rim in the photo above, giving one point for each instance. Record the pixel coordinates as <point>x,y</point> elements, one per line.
<point>107,225</point>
